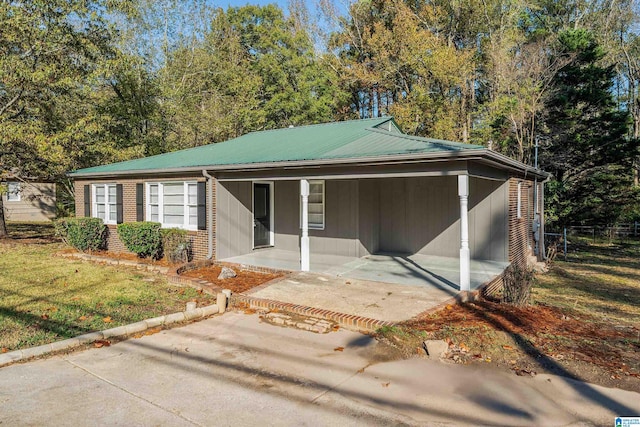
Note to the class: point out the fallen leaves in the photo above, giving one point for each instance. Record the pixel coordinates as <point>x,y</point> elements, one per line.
<point>107,319</point>
<point>338,349</point>
<point>4,349</point>
<point>82,318</point>
<point>101,343</point>
<point>385,384</point>
<point>149,331</point>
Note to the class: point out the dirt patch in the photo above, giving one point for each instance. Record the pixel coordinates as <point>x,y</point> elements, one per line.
<point>244,280</point>
<point>530,340</point>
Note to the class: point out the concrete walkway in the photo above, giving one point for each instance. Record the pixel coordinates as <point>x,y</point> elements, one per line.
<point>235,370</point>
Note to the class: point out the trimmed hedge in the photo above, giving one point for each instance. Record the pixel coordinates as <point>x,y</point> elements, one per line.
<point>176,245</point>
<point>84,234</point>
<point>142,238</point>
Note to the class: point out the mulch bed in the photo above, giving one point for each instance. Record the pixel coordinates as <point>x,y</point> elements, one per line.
<point>244,280</point>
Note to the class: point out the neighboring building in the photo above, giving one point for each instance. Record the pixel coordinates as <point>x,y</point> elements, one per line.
<point>29,201</point>
<point>367,188</point>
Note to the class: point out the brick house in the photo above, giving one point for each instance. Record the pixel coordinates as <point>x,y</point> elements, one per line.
<point>293,197</point>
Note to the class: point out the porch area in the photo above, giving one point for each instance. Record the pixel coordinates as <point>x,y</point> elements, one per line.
<point>438,272</point>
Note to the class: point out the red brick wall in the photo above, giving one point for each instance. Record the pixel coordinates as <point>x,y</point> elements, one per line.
<point>198,238</point>
<point>520,229</point>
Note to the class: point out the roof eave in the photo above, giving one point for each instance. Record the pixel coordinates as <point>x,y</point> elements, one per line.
<point>471,154</point>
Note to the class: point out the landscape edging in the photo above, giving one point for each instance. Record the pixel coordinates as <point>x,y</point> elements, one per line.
<point>119,331</point>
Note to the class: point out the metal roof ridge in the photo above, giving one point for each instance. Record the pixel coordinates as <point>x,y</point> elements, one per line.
<point>443,142</point>
<point>382,119</point>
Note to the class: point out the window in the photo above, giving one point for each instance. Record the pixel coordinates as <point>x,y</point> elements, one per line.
<point>173,204</point>
<point>13,191</point>
<point>519,201</point>
<point>316,206</point>
<point>104,202</point>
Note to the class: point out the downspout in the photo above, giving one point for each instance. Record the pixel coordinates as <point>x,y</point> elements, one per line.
<point>209,213</point>
<point>542,245</point>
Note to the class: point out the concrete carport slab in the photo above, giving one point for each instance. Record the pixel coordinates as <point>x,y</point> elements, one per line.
<point>390,288</point>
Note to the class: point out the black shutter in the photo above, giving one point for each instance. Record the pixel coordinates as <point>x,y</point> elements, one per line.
<point>139,202</point>
<point>87,201</point>
<point>202,206</point>
<point>119,213</point>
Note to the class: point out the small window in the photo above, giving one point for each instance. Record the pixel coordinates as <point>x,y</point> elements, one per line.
<point>519,201</point>
<point>316,206</point>
<point>104,203</point>
<point>173,204</point>
<point>13,191</point>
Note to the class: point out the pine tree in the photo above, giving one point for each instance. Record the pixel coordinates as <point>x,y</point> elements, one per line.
<point>585,145</point>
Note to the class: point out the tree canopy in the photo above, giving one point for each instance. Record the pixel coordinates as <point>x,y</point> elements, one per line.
<point>85,82</point>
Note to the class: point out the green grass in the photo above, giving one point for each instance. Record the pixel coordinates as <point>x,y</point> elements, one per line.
<point>45,298</point>
<point>599,279</point>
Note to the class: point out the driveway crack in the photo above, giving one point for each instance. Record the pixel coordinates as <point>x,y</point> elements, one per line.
<point>137,396</point>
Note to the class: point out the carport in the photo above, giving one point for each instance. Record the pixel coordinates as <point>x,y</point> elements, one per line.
<point>442,225</point>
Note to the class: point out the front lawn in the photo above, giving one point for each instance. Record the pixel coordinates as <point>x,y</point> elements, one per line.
<point>45,298</point>
<point>584,321</point>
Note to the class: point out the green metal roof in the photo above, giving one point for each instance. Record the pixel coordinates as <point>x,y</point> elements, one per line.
<point>337,140</point>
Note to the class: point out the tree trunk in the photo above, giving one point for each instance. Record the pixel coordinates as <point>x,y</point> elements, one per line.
<point>3,224</point>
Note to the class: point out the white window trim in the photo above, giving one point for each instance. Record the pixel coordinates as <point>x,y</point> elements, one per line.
<point>272,233</point>
<point>185,213</point>
<point>16,195</point>
<point>107,202</point>
<point>519,201</point>
<point>324,205</point>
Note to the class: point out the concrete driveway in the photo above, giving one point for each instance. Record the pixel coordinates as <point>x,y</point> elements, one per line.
<point>235,370</point>
<point>376,300</point>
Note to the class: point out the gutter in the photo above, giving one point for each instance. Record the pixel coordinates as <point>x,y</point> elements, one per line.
<point>209,213</point>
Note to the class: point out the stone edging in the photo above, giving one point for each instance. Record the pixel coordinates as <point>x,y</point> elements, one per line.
<point>119,331</point>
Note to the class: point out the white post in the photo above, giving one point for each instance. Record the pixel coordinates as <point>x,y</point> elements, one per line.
<point>304,241</point>
<point>465,256</point>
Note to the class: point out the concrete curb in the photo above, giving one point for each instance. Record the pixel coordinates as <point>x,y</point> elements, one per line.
<point>119,331</point>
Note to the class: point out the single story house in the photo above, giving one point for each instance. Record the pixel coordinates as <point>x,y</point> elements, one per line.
<point>352,188</point>
<point>29,200</point>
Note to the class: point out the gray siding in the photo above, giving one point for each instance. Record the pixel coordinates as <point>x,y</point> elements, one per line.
<point>287,215</point>
<point>421,215</point>
<point>37,203</point>
<point>401,215</point>
<point>234,219</point>
<point>488,219</point>
<point>340,235</point>
<point>369,216</point>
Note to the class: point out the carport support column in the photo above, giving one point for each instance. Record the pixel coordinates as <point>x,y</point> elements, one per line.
<point>304,241</point>
<point>465,256</point>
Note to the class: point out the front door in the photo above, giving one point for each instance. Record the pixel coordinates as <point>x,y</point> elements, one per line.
<point>261,215</point>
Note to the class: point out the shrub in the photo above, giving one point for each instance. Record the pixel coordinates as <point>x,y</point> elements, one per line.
<point>517,285</point>
<point>84,234</point>
<point>142,238</point>
<point>176,245</point>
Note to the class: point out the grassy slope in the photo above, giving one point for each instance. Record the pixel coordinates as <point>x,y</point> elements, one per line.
<point>44,298</point>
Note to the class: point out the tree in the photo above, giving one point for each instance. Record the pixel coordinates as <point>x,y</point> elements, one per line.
<point>52,55</point>
<point>254,69</point>
<point>585,140</point>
